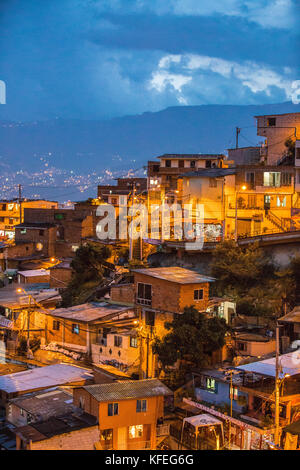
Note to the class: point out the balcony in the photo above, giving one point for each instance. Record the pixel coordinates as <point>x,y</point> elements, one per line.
<point>139,445</point>
<point>162,430</point>
<point>144,301</point>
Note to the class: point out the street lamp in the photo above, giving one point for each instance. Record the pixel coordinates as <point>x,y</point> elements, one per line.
<point>243,188</point>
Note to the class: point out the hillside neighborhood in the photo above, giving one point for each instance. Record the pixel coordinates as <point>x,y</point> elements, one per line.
<point>164,312</point>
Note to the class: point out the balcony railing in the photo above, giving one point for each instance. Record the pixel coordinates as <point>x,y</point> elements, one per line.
<point>143,301</point>
<point>162,430</point>
<point>139,445</point>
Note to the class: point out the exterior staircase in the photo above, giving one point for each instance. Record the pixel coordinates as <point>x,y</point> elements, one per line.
<point>278,222</point>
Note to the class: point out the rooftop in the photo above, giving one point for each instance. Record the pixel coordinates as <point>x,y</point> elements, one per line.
<point>289,365</point>
<point>44,377</point>
<point>292,317</point>
<point>55,426</point>
<point>34,273</point>
<point>205,156</point>
<point>45,404</point>
<point>202,420</point>
<point>175,274</point>
<point>10,298</point>
<point>90,312</point>
<point>209,173</point>
<point>127,390</point>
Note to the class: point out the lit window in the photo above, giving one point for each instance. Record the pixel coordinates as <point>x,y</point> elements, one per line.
<point>113,409</point>
<point>135,431</point>
<point>281,201</point>
<point>211,385</point>
<point>233,393</point>
<point>141,406</point>
<point>75,328</point>
<point>133,342</point>
<point>271,178</point>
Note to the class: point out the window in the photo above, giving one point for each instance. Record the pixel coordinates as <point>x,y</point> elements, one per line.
<point>207,163</point>
<point>106,435</point>
<point>233,393</point>
<point>23,231</point>
<point>141,406</point>
<point>135,431</point>
<point>75,328</point>
<point>133,342</point>
<point>211,385</point>
<point>118,341</point>
<point>281,201</point>
<point>271,178</point>
<point>198,294</point>
<point>212,183</point>
<point>113,409</point>
<point>56,325</point>
<point>155,168</point>
<point>241,346</point>
<point>271,122</point>
<point>286,179</point>
<point>181,164</point>
<point>41,233</point>
<point>144,294</point>
<point>150,318</point>
<point>168,163</point>
<point>250,179</point>
<point>193,164</point>
<point>59,216</point>
<point>251,201</point>
<point>81,402</point>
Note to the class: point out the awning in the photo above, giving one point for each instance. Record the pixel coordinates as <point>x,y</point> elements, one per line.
<point>202,420</point>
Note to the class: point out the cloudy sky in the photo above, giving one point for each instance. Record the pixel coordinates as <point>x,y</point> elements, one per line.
<point>94,59</point>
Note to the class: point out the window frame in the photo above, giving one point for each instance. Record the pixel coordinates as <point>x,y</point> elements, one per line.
<point>114,407</point>
<point>196,296</point>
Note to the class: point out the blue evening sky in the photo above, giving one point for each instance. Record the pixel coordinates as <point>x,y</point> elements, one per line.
<point>94,59</point>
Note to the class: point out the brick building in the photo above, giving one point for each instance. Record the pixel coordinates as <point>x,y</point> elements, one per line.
<point>161,293</point>
<point>277,128</point>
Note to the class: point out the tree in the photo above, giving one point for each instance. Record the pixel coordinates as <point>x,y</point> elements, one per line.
<point>87,273</point>
<point>290,149</point>
<point>193,337</point>
<point>237,269</point>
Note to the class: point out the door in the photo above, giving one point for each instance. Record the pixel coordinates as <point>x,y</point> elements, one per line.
<point>122,438</point>
<point>267,202</point>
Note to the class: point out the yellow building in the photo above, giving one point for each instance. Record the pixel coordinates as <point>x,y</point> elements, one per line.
<point>11,214</point>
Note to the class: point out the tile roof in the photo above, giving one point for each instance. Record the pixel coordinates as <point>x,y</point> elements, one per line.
<point>126,390</point>
<point>175,274</point>
<point>292,317</point>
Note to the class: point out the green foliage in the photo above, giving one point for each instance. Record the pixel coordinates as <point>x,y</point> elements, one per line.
<point>193,337</point>
<point>87,273</point>
<point>290,148</point>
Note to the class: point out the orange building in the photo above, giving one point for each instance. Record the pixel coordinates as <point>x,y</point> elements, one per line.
<point>127,412</point>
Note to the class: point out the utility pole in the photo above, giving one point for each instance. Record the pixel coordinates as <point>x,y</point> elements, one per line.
<point>231,398</point>
<point>237,131</point>
<point>20,204</point>
<point>131,231</point>
<point>277,388</point>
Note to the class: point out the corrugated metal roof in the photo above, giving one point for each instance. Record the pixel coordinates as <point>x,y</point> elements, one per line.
<point>128,389</point>
<point>292,317</point>
<point>44,377</point>
<point>90,311</point>
<point>289,365</point>
<point>202,420</point>
<point>176,274</point>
